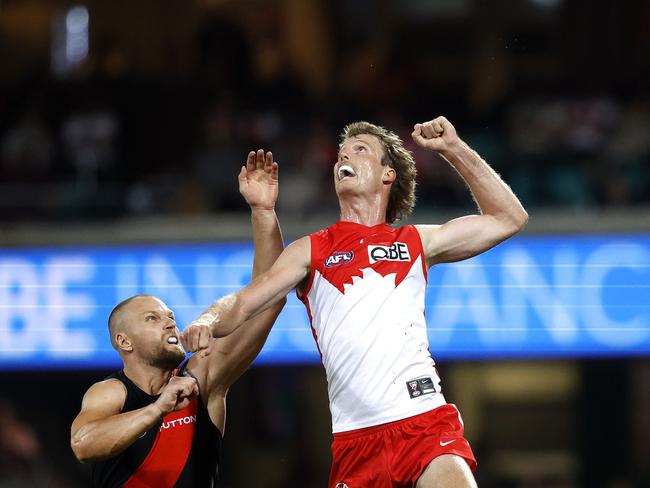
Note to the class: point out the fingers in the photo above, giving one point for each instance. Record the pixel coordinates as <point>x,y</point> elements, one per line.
<point>268,162</point>
<point>197,337</point>
<point>183,338</point>
<point>250,161</point>
<point>189,390</point>
<point>417,135</point>
<point>431,129</point>
<point>188,337</point>
<point>274,171</point>
<point>181,404</point>
<point>259,159</point>
<point>183,386</point>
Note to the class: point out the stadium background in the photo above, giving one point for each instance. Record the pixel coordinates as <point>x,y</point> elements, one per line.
<point>123,125</point>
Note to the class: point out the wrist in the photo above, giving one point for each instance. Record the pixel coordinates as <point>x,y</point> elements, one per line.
<point>158,412</point>
<point>454,148</point>
<point>261,209</point>
<point>206,318</point>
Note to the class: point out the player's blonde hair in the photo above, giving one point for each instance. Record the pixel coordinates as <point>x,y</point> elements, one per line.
<point>402,192</point>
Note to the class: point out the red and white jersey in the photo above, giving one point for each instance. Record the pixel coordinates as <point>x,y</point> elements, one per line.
<point>365,300</point>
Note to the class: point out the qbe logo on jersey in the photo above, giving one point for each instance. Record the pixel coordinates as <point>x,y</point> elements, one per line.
<point>399,251</point>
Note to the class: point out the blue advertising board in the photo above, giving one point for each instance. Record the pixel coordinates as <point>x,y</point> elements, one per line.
<point>560,296</point>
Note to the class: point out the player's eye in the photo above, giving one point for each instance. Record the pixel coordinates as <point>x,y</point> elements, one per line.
<point>150,317</point>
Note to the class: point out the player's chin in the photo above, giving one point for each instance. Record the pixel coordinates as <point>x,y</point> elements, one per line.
<point>172,353</point>
<point>344,186</point>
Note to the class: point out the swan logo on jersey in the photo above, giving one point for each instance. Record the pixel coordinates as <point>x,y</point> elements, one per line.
<point>339,258</point>
<point>341,485</point>
<point>399,251</point>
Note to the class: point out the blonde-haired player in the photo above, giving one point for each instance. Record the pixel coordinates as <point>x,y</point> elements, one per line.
<point>363,284</point>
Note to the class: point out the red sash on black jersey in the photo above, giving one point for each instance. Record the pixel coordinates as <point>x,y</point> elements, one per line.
<point>168,455</point>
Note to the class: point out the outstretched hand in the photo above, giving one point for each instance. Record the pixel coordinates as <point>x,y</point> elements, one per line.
<point>436,135</point>
<point>258,180</point>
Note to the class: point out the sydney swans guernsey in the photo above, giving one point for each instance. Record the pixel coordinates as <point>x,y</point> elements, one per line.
<point>365,300</point>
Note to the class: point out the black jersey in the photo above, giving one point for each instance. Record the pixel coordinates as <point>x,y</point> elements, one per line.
<point>181,451</point>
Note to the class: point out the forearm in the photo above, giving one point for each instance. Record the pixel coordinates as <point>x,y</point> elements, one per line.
<point>106,438</point>
<point>267,239</point>
<point>227,314</point>
<point>491,193</point>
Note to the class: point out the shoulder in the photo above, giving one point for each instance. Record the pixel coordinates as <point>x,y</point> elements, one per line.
<point>316,241</point>
<point>324,235</point>
<point>298,252</point>
<point>109,394</point>
<point>426,231</point>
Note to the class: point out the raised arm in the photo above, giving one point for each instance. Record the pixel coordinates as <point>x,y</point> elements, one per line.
<point>100,431</point>
<point>501,213</point>
<point>227,314</point>
<point>230,356</point>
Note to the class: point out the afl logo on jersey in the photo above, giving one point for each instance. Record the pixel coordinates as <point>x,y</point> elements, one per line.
<point>339,258</point>
<point>399,251</point>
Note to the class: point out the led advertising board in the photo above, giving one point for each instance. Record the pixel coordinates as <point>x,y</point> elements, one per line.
<point>559,296</point>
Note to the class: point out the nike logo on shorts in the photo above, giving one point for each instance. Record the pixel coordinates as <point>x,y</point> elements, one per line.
<point>443,444</point>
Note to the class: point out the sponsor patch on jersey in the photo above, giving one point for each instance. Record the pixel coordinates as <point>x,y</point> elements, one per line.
<point>338,258</point>
<point>398,251</point>
<point>420,386</point>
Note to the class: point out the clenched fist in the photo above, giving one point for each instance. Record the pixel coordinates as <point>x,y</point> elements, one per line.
<point>436,135</point>
<point>177,394</point>
<point>197,337</point>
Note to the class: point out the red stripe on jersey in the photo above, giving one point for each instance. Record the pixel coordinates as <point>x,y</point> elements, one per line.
<point>168,455</point>
<point>313,331</point>
<point>356,241</point>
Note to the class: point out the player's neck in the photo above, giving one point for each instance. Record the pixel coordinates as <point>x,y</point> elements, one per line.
<point>362,210</point>
<point>148,378</point>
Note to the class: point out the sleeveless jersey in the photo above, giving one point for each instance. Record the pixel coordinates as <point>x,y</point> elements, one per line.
<point>181,451</point>
<point>365,300</point>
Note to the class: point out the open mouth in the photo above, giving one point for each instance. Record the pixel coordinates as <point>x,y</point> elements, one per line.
<point>345,171</point>
<point>172,340</point>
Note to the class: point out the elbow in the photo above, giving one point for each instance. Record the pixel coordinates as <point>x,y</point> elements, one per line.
<point>514,222</point>
<point>520,219</point>
<point>86,452</point>
<point>80,450</point>
<point>85,447</point>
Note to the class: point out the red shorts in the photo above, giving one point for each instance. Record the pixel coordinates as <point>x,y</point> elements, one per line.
<point>397,453</point>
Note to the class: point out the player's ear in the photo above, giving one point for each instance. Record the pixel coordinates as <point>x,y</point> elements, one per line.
<point>123,342</point>
<point>389,176</point>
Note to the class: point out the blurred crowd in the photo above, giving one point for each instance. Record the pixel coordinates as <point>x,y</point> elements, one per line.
<point>107,141</point>
<point>129,148</point>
